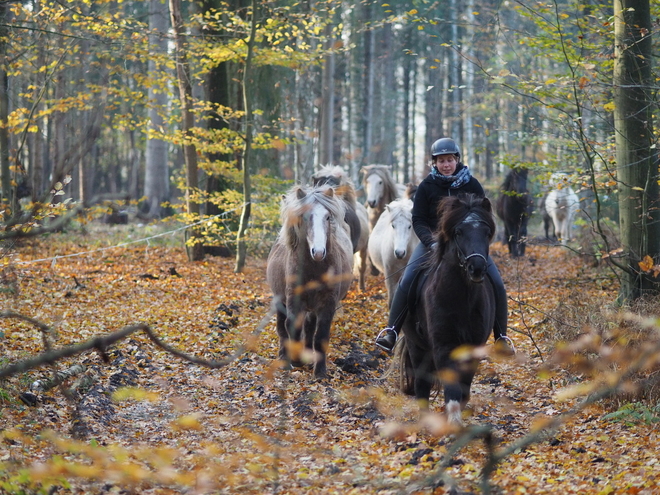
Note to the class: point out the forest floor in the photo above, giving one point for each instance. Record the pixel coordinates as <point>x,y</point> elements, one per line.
<point>153,423</point>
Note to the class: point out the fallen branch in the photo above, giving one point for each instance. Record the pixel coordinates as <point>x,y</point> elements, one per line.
<point>40,386</point>
<point>101,344</point>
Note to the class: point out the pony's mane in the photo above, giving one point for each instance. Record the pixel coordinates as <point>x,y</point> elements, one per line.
<point>509,183</point>
<point>300,200</point>
<point>342,184</point>
<point>454,209</point>
<point>399,207</point>
<point>514,181</point>
<point>383,171</point>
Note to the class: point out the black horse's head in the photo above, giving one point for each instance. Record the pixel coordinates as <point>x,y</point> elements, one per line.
<point>467,227</point>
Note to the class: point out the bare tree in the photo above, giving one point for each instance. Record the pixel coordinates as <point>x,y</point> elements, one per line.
<point>195,250</point>
<point>156,179</point>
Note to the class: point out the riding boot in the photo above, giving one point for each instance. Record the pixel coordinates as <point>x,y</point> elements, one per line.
<point>501,310</point>
<point>388,337</point>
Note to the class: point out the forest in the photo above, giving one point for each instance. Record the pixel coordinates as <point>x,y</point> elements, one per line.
<point>145,148</point>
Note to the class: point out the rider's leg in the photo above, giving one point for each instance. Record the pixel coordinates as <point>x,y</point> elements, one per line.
<point>501,311</point>
<point>399,308</point>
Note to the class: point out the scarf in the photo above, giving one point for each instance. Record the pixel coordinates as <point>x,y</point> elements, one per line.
<point>455,181</point>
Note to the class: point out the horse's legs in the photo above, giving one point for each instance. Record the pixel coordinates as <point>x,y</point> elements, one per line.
<point>321,337</point>
<point>309,329</point>
<point>362,269</point>
<point>283,334</point>
<point>423,371</point>
<point>459,390</point>
<point>306,329</point>
<point>457,393</point>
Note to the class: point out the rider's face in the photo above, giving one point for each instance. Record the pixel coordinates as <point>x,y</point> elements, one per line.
<point>446,164</point>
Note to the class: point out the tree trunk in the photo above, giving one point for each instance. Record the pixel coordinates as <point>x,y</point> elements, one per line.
<point>194,247</point>
<point>156,175</point>
<point>637,164</point>
<point>241,246</point>
<point>5,178</point>
<point>327,101</point>
<point>407,95</point>
<point>368,84</point>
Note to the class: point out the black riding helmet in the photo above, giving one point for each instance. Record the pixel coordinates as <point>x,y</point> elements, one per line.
<point>445,146</point>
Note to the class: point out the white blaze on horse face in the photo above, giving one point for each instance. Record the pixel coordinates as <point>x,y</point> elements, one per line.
<point>401,232</point>
<point>317,231</point>
<point>375,189</point>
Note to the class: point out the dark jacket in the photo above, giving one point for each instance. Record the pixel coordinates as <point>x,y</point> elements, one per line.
<point>429,193</point>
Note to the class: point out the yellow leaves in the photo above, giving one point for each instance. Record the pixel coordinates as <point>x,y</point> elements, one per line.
<point>609,107</point>
<point>134,393</point>
<point>649,266</point>
<point>646,264</point>
<point>187,422</point>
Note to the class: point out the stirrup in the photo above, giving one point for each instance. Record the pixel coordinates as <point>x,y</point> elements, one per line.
<point>508,341</point>
<point>384,331</point>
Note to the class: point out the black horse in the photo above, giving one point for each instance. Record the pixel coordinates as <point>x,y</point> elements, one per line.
<point>514,207</point>
<point>456,306</point>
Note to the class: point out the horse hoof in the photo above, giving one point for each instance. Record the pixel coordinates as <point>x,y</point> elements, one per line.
<point>297,363</point>
<point>453,410</point>
<point>320,374</point>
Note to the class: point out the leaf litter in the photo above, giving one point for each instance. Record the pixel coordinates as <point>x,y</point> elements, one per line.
<point>251,427</point>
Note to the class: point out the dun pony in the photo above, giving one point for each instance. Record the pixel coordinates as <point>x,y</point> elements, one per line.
<point>309,271</point>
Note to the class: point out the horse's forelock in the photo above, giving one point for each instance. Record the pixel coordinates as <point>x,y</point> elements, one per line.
<point>400,207</point>
<point>454,209</point>
<point>294,206</point>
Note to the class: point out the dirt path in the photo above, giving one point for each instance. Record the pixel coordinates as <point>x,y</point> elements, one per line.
<point>253,428</point>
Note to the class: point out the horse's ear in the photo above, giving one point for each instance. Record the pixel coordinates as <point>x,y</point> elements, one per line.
<point>329,192</point>
<point>487,205</point>
<point>300,194</point>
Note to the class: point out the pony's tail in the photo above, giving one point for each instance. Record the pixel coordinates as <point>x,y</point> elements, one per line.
<point>401,362</point>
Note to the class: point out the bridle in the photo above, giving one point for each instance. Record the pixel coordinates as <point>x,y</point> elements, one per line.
<point>462,259</point>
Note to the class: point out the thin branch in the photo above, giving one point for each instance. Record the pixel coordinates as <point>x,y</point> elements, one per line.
<point>101,344</point>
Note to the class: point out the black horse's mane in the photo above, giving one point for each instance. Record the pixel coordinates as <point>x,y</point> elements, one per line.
<point>512,183</point>
<point>452,210</point>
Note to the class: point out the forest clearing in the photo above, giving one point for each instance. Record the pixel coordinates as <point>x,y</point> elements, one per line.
<point>153,423</point>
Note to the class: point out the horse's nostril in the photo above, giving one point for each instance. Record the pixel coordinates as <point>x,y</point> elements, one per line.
<point>399,254</point>
<point>318,254</point>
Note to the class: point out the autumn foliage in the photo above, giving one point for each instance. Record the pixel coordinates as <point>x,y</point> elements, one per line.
<point>146,421</point>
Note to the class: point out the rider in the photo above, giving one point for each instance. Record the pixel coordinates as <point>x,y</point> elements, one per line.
<point>448,177</point>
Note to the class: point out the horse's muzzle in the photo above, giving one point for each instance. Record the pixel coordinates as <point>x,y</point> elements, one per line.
<point>476,270</point>
<point>317,254</point>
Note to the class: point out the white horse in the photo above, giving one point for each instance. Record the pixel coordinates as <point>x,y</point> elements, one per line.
<point>562,204</point>
<point>392,241</point>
